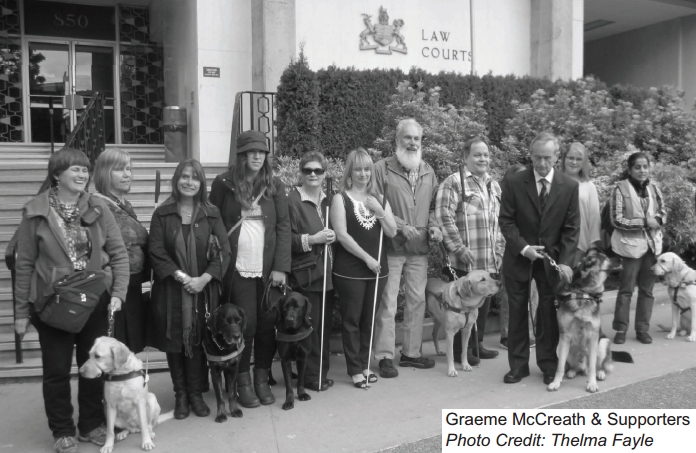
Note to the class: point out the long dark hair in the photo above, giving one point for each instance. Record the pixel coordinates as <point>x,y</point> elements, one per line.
<point>202,196</point>
<point>632,161</point>
<point>245,191</point>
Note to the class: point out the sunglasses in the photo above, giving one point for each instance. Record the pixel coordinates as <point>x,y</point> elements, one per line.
<point>309,171</point>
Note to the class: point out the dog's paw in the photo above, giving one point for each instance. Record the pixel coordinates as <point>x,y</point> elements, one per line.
<point>304,397</point>
<point>221,418</point>
<point>592,387</point>
<point>570,374</point>
<point>288,405</point>
<point>682,333</point>
<point>147,445</point>
<point>440,353</point>
<point>122,435</point>
<point>671,335</point>
<point>552,387</point>
<point>107,449</point>
<point>152,434</point>
<point>452,372</point>
<point>601,375</point>
<point>691,338</point>
<point>467,367</point>
<point>237,413</point>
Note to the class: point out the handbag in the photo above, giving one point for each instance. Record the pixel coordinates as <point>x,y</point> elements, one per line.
<point>75,296</point>
<point>306,270</point>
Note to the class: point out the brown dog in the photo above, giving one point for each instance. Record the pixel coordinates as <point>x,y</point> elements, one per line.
<point>582,348</point>
<point>455,305</point>
<point>294,337</point>
<point>681,282</point>
<point>129,405</point>
<point>223,344</point>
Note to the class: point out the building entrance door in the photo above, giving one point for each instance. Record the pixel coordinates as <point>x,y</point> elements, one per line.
<point>64,75</point>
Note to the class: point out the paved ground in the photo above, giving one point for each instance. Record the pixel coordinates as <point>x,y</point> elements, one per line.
<point>404,412</point>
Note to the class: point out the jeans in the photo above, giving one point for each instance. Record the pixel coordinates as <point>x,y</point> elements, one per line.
<point>415,271</point>
<point>57,355</point>
<point>312,373</point>
<point>635,270</point>
<point>357,298</point>
<point>247,293</point>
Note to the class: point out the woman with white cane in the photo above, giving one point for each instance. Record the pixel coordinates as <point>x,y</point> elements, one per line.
<point>359,219</point>
<point>310,272</point>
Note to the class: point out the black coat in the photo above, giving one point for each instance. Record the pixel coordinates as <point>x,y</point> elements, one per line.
<point>522,222</point>
<point>166,292</point>
<point>277,240</point>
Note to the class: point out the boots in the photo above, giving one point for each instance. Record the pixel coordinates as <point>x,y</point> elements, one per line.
<point>247,397</point>
<point>194,379</point>
<point>178,373</point>
<point>263,391</point>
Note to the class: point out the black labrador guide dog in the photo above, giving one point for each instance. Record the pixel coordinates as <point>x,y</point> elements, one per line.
<point>294,336</point>
<point>223,344</point>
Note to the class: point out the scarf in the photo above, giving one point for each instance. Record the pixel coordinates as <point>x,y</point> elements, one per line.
<point>186,259</point>
<point>640,186</point>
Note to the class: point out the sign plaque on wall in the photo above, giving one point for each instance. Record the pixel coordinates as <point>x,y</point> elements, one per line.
<point>69,20</point>
<point>211,71</point>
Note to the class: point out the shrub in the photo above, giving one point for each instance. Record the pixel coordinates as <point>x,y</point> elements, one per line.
<point>297,120</point>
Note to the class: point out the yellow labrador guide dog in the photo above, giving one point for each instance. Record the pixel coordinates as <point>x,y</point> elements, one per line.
<point>129,404</point>
<point>455,306</point>
<point>681,288</point>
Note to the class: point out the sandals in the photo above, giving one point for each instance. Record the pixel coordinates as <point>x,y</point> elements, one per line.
<point>372,378</point>
<point>361,385</point>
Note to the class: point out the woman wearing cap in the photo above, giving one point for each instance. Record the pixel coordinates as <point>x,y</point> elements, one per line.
<point>254,208</point>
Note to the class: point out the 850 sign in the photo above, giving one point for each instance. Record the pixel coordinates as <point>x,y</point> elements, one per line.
<point>70,20</point>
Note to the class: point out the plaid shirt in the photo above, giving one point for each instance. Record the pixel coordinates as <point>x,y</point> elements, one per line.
<point>478,230</point>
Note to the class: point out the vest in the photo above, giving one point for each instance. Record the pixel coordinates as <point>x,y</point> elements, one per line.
<point>635,243</point>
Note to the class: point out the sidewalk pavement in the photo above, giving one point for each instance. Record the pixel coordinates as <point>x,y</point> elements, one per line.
<point>392,412</point>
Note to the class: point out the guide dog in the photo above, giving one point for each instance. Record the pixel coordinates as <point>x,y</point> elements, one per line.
<point>455,305</point>
<point>681,282</point>
<point>223,344</point>
<point>294,336</point>
<point>582,348</point>
<point>129,404</point>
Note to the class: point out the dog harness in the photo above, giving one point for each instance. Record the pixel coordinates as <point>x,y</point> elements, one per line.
<point>127,376</point>
<point>446,306</point>
<point>223,358</point>
<point>682,284</point>
<point>287,338</point>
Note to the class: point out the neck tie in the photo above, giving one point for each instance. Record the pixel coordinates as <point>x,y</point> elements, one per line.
<point>544,194</point>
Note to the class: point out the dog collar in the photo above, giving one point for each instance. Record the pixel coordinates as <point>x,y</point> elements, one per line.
<point>287,338</point>
<point>125,377</point>
<point>223,358</point>
<point>581,296</point>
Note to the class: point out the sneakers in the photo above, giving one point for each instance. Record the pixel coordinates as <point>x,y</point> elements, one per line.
<point>66,444</point>
<point>97,436</point>
<point>386,369</point>
<point>417,362</point>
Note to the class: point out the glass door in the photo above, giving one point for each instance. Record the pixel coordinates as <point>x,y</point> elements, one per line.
<point>63,76</point>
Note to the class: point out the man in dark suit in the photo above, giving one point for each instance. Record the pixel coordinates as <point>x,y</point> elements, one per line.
<point>539,212</point>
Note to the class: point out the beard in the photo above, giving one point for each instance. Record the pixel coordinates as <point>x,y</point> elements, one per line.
<point>409,160</point>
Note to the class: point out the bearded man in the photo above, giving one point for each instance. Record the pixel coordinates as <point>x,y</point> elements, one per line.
<point>412,189</point>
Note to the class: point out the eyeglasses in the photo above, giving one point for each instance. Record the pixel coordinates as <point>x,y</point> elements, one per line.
<point>309,171</point>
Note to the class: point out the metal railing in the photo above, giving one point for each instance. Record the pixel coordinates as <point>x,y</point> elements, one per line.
<point>90,131</point>
<point>253,110</point>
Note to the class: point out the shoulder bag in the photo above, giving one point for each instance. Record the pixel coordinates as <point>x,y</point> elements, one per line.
<point>76,296</point>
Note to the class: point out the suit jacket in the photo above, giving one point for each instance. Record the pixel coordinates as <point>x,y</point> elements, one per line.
<point>522,222</point>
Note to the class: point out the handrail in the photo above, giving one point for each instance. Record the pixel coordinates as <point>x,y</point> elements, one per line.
<point>89,132</point>
<point>260,107</point>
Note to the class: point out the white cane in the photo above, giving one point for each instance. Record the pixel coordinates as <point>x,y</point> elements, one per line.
<point>374,302</point>
<point>323,293</point>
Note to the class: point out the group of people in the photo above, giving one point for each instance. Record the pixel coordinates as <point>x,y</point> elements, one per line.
<point>251,234</point>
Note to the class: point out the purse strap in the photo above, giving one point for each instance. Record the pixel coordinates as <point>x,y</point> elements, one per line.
<point>244,216</point>
<point>94,263</point>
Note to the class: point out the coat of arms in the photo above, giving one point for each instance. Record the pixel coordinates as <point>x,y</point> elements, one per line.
<point>383,34</point>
